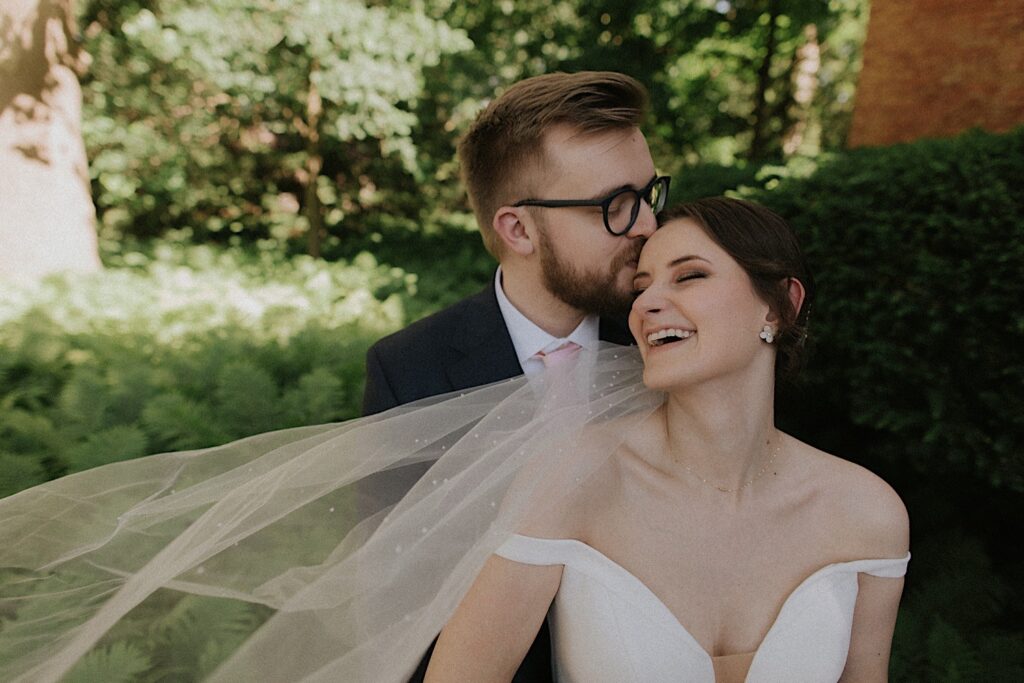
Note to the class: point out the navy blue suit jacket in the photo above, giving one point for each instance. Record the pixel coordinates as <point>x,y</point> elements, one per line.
<point>462,346</point>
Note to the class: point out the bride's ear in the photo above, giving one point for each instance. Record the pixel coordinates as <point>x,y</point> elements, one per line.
<point>796,293</point>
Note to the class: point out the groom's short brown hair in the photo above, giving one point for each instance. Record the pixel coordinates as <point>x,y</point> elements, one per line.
<point>505,140</point>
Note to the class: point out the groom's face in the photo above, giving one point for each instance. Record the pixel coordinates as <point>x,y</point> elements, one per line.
<point>582,263</point>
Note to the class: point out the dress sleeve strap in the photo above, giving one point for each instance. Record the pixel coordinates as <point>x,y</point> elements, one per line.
<point>888,568</point>
<point>538,551</point>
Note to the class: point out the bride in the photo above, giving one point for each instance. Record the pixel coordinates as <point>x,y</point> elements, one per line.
<point>711,543</point>
<point>669,531</point>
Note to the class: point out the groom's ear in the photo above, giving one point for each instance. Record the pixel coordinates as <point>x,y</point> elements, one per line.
<point>511,225</point>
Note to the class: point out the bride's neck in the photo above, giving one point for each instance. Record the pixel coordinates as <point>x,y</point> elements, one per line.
<point>721,432</point>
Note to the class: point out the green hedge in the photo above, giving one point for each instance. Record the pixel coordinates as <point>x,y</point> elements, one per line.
<point>182,348</point>
<point>710,180</point>
<point>918,328</point>
<point>916,371</point>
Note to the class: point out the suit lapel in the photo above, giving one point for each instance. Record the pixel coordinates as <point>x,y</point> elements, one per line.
<point>485,350</point>
<point>482,339</point>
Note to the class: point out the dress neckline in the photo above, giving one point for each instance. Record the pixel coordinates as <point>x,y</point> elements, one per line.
<point>865,565</point>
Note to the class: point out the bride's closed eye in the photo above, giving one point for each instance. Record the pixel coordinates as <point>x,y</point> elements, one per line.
<point>693,275</point>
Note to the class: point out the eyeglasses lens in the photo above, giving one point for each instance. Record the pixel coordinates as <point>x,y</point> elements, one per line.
<point>624,208</point>
<point>657,196</point>
<point>622,211</point>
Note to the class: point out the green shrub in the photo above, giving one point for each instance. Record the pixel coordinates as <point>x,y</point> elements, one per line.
<point>917,329</point>
<point>449,263</point>
<point>170,636</point>
<point>710,180</point>
<point>952,625</point>
<point>180,348</point>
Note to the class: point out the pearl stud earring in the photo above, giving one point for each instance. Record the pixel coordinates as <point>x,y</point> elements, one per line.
<point>767,334</point>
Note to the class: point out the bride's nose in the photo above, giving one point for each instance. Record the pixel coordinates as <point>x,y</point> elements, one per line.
<point>648,302</point>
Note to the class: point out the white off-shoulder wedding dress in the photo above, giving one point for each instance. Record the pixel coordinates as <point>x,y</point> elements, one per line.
<point>608,627</point>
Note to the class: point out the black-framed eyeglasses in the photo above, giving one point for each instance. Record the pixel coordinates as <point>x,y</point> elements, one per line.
<point>620,209</point>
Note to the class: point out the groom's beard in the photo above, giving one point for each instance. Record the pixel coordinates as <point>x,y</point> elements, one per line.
<point>598,293</point>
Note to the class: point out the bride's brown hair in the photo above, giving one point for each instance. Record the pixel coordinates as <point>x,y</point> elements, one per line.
<point>764,245</point>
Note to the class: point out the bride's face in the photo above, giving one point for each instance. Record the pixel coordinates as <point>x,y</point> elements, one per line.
<point>696,316</point>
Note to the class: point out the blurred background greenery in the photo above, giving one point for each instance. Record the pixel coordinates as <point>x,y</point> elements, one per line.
<point>275,188</point>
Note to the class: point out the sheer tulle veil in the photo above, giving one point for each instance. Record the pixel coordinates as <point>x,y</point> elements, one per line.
<point>360,538</point>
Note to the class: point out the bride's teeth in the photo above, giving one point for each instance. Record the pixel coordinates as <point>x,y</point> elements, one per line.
<point>654,337</point>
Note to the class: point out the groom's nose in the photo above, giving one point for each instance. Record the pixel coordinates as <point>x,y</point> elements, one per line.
<point>646,223</point>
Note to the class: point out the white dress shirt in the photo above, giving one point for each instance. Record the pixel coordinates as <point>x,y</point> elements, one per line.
<point>528,339</point>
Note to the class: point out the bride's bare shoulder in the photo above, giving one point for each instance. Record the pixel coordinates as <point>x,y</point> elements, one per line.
<point>575,481</point>
<point>861,506</point>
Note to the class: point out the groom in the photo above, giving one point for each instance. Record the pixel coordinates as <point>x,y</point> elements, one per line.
<point>566,266</point>
<point>564,191</point>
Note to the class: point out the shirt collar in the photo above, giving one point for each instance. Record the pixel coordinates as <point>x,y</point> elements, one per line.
<point>528,338</point>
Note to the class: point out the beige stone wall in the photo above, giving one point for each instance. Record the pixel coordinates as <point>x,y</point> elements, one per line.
<point>934,68</point>
<point>47,219</point>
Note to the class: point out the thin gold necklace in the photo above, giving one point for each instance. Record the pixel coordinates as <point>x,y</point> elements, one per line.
<point>760,473</point>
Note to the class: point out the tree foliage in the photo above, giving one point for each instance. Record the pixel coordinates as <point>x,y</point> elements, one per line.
<point>290,120</point>
<point>269,117</point>
<point>700,60</point>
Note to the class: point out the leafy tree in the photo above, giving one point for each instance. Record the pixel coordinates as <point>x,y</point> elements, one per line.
<point>729,81</point>
<point>290,119</point>
<point>722,73</point>
<point>277,116</point>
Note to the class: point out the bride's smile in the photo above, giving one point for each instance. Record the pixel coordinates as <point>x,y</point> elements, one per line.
<point>668,335</point>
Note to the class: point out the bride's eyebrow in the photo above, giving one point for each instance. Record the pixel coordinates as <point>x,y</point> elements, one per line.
<point>673,264</point>
<point>684,259</point>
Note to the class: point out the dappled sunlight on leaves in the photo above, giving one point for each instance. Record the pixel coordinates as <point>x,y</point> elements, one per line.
<point>179,347</point>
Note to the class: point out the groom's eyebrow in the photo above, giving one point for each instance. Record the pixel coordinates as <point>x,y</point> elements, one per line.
<point>603,194</point>
<point>673,264</point>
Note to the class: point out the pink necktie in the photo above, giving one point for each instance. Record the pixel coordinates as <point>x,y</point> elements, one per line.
<point>565,352</point>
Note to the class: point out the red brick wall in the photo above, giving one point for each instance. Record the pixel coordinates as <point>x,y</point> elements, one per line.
<point>933,68</point>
